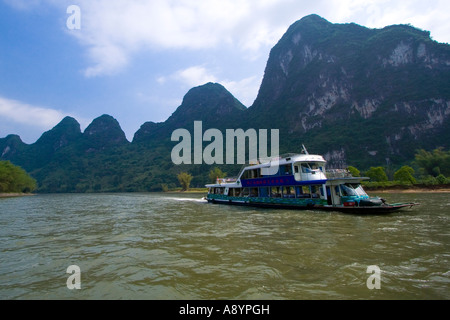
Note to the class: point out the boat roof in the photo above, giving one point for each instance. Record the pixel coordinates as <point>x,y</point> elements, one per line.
<point>286,159</point>
<point>336,181</point>
<point>223,185</point>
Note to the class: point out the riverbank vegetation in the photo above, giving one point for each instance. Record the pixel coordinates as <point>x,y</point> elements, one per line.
<point>430,170</point>
<point>14,179</point>
<point>185,180</point>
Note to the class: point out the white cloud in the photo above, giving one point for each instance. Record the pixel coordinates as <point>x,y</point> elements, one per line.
<point>112,31</point>
<point>115,29</point>
<point>194,76</point>
<point>109,60</point>
<point>381,13</point>
<point>245,90</point>
<point>41,118</point>
<point>20,112</point>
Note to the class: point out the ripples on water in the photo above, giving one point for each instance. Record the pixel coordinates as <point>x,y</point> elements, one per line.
<point>162,246</point>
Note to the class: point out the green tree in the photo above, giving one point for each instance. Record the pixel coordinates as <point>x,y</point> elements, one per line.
<point>15,179</point>
<point>5,177</point>
<point>354,172</point>
<point>216,173</point>
<point>185,180</point>
<point>377,174</point>
<point>441,179</point>
<point>405,174</point>
<point>434,163</point>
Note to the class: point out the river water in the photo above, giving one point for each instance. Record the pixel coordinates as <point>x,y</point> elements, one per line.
<point>175,246</point>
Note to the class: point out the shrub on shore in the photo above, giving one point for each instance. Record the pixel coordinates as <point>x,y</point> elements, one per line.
<point>14,179</point>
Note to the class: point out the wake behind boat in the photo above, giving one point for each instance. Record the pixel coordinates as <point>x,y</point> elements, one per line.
<point>298,181</point>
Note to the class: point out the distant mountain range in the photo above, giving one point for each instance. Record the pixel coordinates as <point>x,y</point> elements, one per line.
<point>361,97</point>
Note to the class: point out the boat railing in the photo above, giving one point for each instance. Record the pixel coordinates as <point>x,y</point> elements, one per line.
<point>338,173</point>
<point>267,160</point>
<point>225,180</point>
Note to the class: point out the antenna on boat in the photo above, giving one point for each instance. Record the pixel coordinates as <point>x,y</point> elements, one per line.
<point>304,149</point>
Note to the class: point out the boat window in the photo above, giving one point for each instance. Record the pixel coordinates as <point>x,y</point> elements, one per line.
<point>288,192</point>
<point>303,192</point>
<point>315,191</point>
<point>296,169</point>
<point>353,190</point>
<point>235,192</point>
<point>288,169</point>
<point>264,192</point>
<point>275,192</point>
<point>336,190</point>
<point>347,190</point>
<point>359,190</point>
<point>306,168</point>
<point>251,174</point>
<point>311,167</point>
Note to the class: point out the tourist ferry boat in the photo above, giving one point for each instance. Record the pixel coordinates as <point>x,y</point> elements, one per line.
<point>298,181</point>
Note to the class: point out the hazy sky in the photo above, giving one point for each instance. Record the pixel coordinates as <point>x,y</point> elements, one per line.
<point>136,59</point>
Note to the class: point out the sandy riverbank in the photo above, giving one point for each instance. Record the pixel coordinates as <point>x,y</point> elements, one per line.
<point>12,195</point>
<point>410,190</point>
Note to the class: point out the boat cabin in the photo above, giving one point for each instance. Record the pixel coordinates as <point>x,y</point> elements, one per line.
<point>345,190</point>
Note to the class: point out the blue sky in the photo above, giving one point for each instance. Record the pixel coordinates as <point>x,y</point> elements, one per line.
<point>136,59</point>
